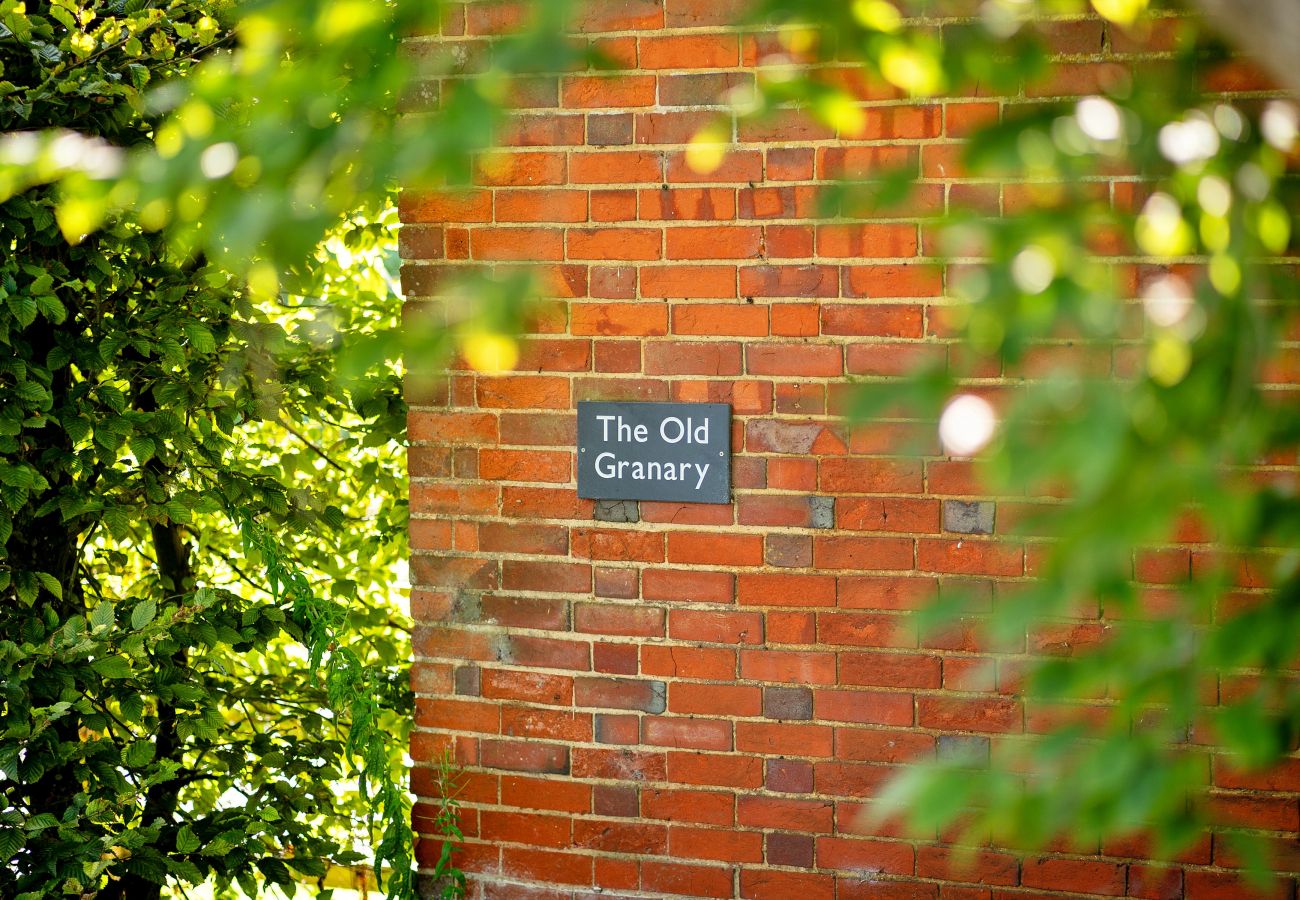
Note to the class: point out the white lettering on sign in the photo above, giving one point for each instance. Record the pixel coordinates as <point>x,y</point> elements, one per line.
<point>608,465</point>
<point>692,433</point>
<point>672,429</point>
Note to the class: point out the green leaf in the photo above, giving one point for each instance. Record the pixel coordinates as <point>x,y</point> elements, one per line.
<point>186,840</point>
<point>11,841</point>
<point>200,336</point>
<point>144,613</point>
<point>138,754</point>
<point>41,822</point>
<point>101,618</point>
<point>112,667</point>
<point>52,308</point>
<point>51,584</point>
<point>27,587</point>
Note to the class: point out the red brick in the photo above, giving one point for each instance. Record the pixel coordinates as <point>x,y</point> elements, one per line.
<point>688,281</point>
<point>607,91</point>
<point>714,699</point>
<point>687,204</point>
<point>708,626</point>
<point>704,807</point>
<point>775,589</point>
<point>790,666</point>
<point>546,576</point>
<point>619,318</point>
<point>984,714</point>
<point>523,756</point>
<point>715,770</point>
<point>615,659</point>
<point>541,206</point>
<point>863,707</point>
<point>613,206</point>
<point>713,242</point>
<point>875,320</point>
<point>790,163</point>
<point>790,281</point>
<point>713,843</point>
<point>869,241</point>
<point>524,465</point>
<point>769,884</point>
<point>618,15</point>
<point>711,663</point>
<point>689,51</point>
<point>737,166</point>
<point>447,206</point>
<point>621,544</point>
<point>783,739</point>
<point>620,837</point>
<point>692,358</point>
<point>903,670</point>
<point>548,653</point>
<point>677,127</point>
<point>549,793</point>
<point>628,621</point>
<point>616,729</point>
<point>521,168</point>
<point>678,878</point>
<point>813,360</point>
<point>691,733</point>
<point>888,857</point>
<point>614,167</point>
<point>547,866</point>
<point>978,866</point>
<point>714,549</point>
<point>1084,875</point>
<point>870,476</point>
<point>687,585</point>
<point>614,243</point>
<point>785,813</point>
<point>530,687</point>
<point>969,557</point>
<point>863,553</point>
<point>720,319</point>
<point>541,130</point>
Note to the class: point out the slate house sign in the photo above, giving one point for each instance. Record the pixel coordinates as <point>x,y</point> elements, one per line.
<point>655,451</point>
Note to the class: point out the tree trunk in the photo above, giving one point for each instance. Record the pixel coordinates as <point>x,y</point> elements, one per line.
<point>177,575</point>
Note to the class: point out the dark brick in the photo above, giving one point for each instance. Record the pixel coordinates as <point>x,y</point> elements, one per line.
<point>609,130</point>
<point>612,729</point>
<point>616,800</point>
<point>621,693</point>
<point>790,850</point>
<point>975,517</point>
<point>468,681</point>
<point>617,511</point>
<point>968,748</point>
<point>789,775</point>
<point>790,551</point>
<point>823,511</point>
<point>787,703</point>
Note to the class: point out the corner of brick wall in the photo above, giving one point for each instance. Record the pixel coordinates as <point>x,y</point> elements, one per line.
<point>662,699</point>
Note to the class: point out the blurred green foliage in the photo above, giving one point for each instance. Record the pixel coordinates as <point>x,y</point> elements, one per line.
<point>189,488</point>
<point>1125,354</point>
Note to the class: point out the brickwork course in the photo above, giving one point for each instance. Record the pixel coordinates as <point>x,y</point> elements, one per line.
<point>661,699</point>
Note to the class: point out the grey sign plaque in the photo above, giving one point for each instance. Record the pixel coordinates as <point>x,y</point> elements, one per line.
<point>655,451</point>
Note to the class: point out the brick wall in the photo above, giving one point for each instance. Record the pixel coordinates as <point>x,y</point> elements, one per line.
<point>668,699</point>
